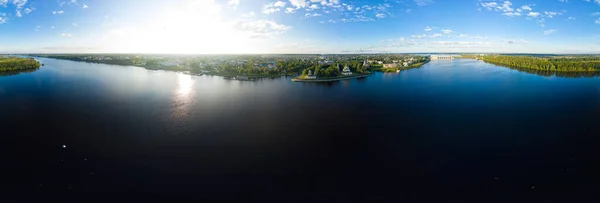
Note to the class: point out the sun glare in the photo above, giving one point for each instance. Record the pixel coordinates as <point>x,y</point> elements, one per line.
<point>195,27</point>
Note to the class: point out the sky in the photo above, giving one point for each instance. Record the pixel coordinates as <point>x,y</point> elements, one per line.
<point>299,26</point>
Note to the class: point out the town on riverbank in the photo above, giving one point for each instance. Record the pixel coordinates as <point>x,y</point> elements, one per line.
<point>250,67</point>
<point>330,72</point>
<point>313,67</point>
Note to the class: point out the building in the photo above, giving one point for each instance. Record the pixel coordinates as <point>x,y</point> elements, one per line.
<point>346,71</point>
<point>405,64</point>
<point>442,57</point>
<point>170,63</point>
<point>390,65</point>
<point>310,75</point>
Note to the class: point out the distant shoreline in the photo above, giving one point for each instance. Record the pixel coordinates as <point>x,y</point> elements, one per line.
<point>331,79</point>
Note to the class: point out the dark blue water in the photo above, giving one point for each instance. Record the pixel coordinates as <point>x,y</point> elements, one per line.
<point>447,132</point>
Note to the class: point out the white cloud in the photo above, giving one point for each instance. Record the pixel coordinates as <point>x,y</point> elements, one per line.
<point>85,6</point>
<point>279,4</point>
<point>233,3</point>
<point>506,6</point>
<point>290,10</point>
<point>598,21</point>
<point>489,5</point>
<point>427,29</point>
<point>66,35</point>
<point>308,15</point>
<point>19,3</point>
<point>596,14</point>
<point>75,24</point>
<point>526,8</point>
<point>571,18</point>
<point>551,14</point>
<point>511,14</point>
<point>380,15</point>
<point>298,3</point>
<point>423,2</point>
<point>58,12</point>
<point>436,35</point>
<point>248,15</point>
<point>261,28</point>
<point>3,18</point>
<point>418,36</point>
<point>273,7</point>
<point>548,32</point>
<point>563,1</point>
<point>447,31</point>
<point>533,14</point>
<point>268,9</point>
<point>313,7</point>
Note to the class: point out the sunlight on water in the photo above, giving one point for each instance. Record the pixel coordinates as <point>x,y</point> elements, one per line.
<point>184,96</point>
<point>184,84</point>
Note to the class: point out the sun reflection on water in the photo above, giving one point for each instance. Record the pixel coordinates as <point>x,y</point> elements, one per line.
<point>183,97</point>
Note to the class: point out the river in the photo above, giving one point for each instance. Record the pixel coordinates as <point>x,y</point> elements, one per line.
<point>450,130</point>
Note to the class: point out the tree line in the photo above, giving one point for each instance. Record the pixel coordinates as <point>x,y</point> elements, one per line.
<point>331,70</point>
<point>18,64</point>
<point>558,64</point>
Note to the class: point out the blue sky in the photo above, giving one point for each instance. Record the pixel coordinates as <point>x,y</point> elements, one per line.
<point>299,26</point>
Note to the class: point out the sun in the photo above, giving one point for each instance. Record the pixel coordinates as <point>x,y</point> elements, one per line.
<point>194,28</point>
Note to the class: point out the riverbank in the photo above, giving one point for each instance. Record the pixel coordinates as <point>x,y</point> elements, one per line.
<point>554,64</point>
<point>401,68</point>
<point>183,69</point>
<point>298,79</point>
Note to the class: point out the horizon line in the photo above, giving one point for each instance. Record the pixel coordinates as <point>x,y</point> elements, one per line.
<point>356,53</point>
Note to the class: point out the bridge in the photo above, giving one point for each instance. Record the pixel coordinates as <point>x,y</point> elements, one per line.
<point>441,57</point>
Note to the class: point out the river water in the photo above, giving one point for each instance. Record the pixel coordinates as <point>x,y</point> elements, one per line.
<point>449,131</point>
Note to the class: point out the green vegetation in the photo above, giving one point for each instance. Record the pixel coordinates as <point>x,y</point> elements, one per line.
<point>332,70</point>
<point>468,56</point>
<point>253,66</point>
<point>17,64</point>
<point>558,73</point>
<point>417,62</point>
<point>222,65</point>
<point>548,63</point>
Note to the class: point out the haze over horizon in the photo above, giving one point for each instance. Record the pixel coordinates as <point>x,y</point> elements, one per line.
<point>299,26</point>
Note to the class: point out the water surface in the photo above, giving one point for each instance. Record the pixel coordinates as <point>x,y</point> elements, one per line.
<point>450,130</point>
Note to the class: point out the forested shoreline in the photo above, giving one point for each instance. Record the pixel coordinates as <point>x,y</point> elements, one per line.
<point>555,64</point>
<point>17,64</point>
